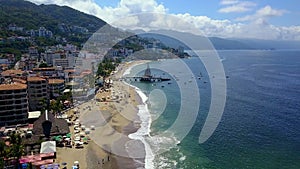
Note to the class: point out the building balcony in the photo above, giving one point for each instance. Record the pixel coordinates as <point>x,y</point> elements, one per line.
<point>10,110</point>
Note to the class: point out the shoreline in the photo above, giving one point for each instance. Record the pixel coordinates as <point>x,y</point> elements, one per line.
<point>110,146</point>
<point>145,128</point>
<point>116,136</point>
<point>144,119</point>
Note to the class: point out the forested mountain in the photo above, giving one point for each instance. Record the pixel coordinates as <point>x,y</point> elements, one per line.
<point>31,16</point>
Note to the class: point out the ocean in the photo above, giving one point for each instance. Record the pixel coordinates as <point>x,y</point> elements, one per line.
<point>260,125</point>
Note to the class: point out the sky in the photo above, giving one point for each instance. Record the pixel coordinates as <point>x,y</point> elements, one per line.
<point>258,19</point>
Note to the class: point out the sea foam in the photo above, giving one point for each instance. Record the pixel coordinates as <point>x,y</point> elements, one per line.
<point>145,118</point>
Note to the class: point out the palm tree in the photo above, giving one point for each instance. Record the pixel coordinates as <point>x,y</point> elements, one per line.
<point>16,148</point>
<point>3,153</point>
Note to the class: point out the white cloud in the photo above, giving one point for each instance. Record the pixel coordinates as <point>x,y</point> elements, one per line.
<point>243,6</point>
<point>257,28</point>
<point>228,2</point>
<point>267,11</point>
<point>236,6</point>
<point>263,14</point>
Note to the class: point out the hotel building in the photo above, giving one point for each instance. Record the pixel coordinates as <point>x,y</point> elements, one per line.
<point>13,104</point>
<point>37,93</point>
<point>56,87</point>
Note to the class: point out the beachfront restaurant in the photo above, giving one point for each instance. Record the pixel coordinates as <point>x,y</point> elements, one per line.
<point>47,125</point>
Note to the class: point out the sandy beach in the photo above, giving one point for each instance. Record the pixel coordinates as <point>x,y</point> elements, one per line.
<point>114,119</point>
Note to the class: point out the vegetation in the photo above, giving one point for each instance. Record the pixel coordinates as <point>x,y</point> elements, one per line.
<point>56,105</point>
<point>43,65</point>
<point>14,150</point>
<point>16,48</point>
<point>107,66</point>
<point>32,16</point>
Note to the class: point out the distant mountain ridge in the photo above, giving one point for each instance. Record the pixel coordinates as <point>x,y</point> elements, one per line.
<point>31,16</point>
<point>219,43</point>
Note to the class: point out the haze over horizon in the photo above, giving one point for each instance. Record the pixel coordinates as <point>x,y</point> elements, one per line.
<point>276,20</point>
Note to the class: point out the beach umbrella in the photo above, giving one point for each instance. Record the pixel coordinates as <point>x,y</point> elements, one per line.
<point>87,131</point>
<point>76,162</point>
<point>67,139</point>
<point>69,135</point>
<point>55,165</point>
<point>58,138</point>
<point>77,139</point>
<point>24,165</point>
<point>82,134</point>
<point>85,139</point>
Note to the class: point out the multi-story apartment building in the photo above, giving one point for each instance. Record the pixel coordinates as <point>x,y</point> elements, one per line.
<point>47,71</point>
<point>56,87</point>
<point>13,104</point>
<point>12,73</point>
<point>38,94</point>
<point>61,62</point>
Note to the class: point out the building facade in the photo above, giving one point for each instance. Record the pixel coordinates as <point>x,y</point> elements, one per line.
<point>38,94</point>
<point>13,104</point>
<point>56,87</point>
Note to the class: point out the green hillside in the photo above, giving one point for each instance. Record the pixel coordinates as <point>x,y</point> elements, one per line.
<point>31,16</point>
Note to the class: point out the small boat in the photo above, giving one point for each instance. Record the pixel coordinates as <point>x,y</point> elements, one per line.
<point>162,86</point>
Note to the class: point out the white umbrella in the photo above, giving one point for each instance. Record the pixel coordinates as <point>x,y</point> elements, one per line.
<point>92,127</point>
<point>77,139</point>
<point>76,162</point>
<point>87,131</point>
<point>81,133</point>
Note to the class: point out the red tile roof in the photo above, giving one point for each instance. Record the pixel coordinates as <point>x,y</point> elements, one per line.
<point>13,86</point>
<point>55,81</point>
<point>34,79</point>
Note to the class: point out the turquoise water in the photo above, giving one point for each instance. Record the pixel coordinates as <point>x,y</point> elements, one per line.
<point>260,127</point>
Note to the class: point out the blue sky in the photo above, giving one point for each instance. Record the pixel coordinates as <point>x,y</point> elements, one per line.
<point>210,8</point>
<point>263,19</point>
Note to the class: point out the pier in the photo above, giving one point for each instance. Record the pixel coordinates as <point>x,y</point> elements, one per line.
<point>147,77</point>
